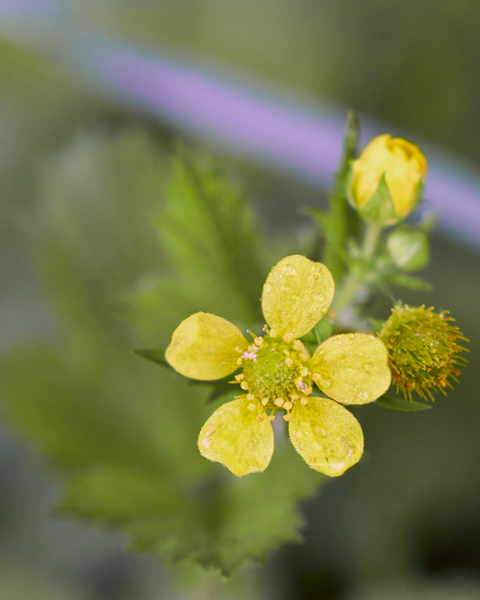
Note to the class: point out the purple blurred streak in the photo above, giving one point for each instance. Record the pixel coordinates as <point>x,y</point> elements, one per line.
<point>231,115</point>
<point>29,9</point>
<point>262,127</point>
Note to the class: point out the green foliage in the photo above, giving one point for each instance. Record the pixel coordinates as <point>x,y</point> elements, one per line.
<point>401,403</point>
<point>121,431</point>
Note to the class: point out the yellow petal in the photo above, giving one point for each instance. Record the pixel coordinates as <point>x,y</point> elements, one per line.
<point>352,368</point>
<point>326,435</point>
<point>296,295</point>
<point>203,347</point>
<point>234,437</point>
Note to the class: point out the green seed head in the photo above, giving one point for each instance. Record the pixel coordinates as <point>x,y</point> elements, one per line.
<point>423,349</point>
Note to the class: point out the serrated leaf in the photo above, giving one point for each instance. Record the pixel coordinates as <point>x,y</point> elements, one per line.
<point>401,404</point>
<point>209,230</point>
<point>121,433</point>
<point>410,282</point>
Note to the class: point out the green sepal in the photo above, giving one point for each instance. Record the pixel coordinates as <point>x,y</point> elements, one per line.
<point>400,404</point>
<point>410,282</point>
<point>380,207</point>
<point>219,388</point>
<point>323,330</point>
<point>156,355</point>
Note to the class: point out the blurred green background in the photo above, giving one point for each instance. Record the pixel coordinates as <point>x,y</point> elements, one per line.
<point>80,175</point>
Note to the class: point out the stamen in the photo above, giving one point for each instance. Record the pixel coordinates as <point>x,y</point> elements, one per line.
<point>244,385</point>
<point>238,349</point>
<point>304,401</point>
<point>279,402</point>
<point>259,341</point>
<point>287,405</point>
<point>287,417</point>
<point>288,337</point>
<point>260,418</point>
<point>273,333</point>
<point>298,345</point>
<point>250,397</point>
<point>265,401</point>
<point>239,361</point>
<point>239,377</point>
<point>251,406</point>
<point>271,417</point>
<point>289,362</point>
<point>304,372</point>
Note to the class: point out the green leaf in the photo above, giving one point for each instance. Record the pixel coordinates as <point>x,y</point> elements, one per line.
<point>121,434</point>
<point>410,282</point>
<point>210,233</point>
<point>156,355</point>
<point>401,404</point>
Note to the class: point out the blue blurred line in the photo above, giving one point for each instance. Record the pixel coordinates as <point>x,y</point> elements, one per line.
<point>261,124</point>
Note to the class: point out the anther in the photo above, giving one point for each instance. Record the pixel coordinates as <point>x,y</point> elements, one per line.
<point>251,348</point>
<point>260,418</point>
<point>251,406</point>
<point>238,349</point>
<point>304,372</point>
<point>265,401</point>
<point>288,337</point>
<point>286,351</point>
<point>279,401</point>
<point>273,333</point>
<point>304,401</point>
<point>250,397</point>
<point>289,362</point>
<point>287,417</point>
<point>239,377</point>
<point>287,405</point>
<point>239,361</point>
<point>271,417</point>
<point>298,345</point>
<point>244,385</point>
<point>259,341</point>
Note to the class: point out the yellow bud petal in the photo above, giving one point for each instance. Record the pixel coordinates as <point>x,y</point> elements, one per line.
<point>326,435</point>
<point>352,368</point>
<point>296,295</point>
<point>203,347</point>
<point>404,166</point>
<point>236,437</point>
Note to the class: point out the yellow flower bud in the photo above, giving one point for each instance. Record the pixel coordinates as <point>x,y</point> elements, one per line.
<point>386,180</point>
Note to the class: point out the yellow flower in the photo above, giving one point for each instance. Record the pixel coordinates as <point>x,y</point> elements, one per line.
<point>387,178</point>
<point>278,373</point>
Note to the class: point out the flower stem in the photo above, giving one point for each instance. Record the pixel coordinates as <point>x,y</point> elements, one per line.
<point>357,275</point>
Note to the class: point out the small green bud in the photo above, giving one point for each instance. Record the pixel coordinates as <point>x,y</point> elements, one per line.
<point>423,349</point>
<point>409,248</point>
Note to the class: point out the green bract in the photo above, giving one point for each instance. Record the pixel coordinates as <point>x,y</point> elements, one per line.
<point>278,372</point>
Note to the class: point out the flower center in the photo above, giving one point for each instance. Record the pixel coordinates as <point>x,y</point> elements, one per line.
<point>274,372</point>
